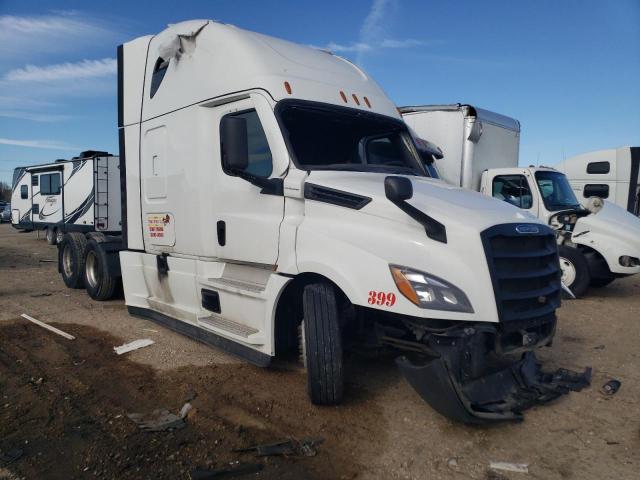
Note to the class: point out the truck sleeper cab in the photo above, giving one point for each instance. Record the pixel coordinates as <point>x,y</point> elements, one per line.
<point>480,152</point>
<point>270,189</point>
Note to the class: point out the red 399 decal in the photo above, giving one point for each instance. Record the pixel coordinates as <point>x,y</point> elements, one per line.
<point>382,298</point>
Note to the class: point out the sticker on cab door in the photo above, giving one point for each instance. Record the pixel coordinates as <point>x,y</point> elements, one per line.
<point>381,298</point>
<point>161,229</point>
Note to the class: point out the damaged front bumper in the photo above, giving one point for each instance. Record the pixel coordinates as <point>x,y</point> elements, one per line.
<point>470,380</point>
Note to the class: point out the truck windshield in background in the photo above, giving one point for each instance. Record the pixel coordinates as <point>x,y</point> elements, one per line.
<point>556,191</point>
<point>334,138</point>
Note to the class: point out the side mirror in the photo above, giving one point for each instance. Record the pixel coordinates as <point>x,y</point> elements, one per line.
<point>235,145</point>
<point>398,189</point>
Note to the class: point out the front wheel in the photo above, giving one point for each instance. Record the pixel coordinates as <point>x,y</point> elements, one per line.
<point>575,270</point>
<point>322,344</point>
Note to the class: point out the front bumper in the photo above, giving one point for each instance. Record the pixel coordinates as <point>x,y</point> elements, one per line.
<point>470,382</point>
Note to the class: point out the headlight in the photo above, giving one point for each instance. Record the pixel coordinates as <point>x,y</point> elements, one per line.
<point>428,291</point>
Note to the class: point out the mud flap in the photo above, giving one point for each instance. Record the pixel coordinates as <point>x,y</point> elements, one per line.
<point>500,395</point>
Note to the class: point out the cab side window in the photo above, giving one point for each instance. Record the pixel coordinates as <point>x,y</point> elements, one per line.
<point>513,189</point>
<point>260,161</point>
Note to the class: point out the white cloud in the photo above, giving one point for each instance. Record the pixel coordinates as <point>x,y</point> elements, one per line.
<point>48,144</point>
<point>63,71</point>
<point>39,35</point>
<point>373,36</point>
<point>34,116</point>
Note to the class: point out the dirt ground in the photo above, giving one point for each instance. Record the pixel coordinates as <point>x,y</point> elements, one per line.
<point>64,403</point>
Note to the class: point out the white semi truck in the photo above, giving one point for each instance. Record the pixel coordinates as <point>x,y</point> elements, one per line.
<point>480,152</point>
<point>271,188</point>
<point>77,195</point>
<point>612,174</point>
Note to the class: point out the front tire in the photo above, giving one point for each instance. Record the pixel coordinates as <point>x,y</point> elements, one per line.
<point>601,281</point>
<point>323,344</point>
<point>575,270</point>
<point>99,282</point>
<point>71,255</point>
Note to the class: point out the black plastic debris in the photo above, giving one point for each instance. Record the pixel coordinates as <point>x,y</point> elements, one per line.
<point>493,394</point>
<point>611,387</point>
<point>290,447</point>
<point>11,456</point>
<point>232,470</point>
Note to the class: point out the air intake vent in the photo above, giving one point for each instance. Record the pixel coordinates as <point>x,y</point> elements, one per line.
<point>334,197</point>
<point>525,272</point>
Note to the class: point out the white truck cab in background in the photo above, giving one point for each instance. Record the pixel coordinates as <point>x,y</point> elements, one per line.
<point>612,174</point>
<point>480,152</point>
<point>270,188</point>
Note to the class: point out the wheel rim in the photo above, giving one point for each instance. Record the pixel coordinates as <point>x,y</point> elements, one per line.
<point>59,236</point>
<point>568,271</point>
<point>92,269</point>
<point>67,261</point>
<point>49,235</point>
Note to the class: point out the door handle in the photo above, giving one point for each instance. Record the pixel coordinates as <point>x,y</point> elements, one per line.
<point>221,228</point>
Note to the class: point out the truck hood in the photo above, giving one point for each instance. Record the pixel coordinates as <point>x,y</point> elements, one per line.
<point>443,202</point>
<point>611,221</point>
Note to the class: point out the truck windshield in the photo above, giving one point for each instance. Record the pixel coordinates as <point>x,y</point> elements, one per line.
<point>336,138</point>
<point>556,191</point>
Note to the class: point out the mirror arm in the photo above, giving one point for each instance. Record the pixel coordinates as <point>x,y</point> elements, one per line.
<point>269,186</point>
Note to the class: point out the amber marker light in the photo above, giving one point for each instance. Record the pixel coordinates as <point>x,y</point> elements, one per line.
<point>404,286</point>
<point>344,97</point>
<point>366,100</point>
<point>287,87</point>
<point>355,99</point>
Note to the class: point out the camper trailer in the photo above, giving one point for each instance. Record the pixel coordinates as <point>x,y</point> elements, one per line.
<point>274,203</point>
<point>608,174</point>
<point>597,244</point>
<point>77,195</point>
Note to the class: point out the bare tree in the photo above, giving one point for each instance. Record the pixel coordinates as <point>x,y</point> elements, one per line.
<point>5,191</point>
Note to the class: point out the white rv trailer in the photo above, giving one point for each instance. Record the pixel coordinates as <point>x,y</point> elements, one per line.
<point>480,152</point>
<point>612,174</point>
<point>272,188</point>
<point>77,195</point>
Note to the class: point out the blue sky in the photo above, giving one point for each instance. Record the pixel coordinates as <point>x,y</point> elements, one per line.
<point>569,70</point>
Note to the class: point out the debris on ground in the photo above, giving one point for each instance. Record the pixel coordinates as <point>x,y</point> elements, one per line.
<point>509,467</point>
<point>11,456</point>
<point>290,447</point>
<point>48,327</point>
<point>611,387</point>
<point>235,469</point>
<point>161,420</point>
<point>135,345</point>
<point>47,260</point>
<point>37,295</point>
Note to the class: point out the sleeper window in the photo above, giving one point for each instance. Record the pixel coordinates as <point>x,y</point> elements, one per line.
<point>24,192</point>
<point>260,160</point>
<point>513,189</point>
<point>598,167</point>
<point>596,190</point>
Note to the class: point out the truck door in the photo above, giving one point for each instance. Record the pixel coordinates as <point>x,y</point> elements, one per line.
<point>248,221</point>
<point>514,188</point>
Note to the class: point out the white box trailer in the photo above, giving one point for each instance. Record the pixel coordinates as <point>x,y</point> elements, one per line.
<point>480,152</point>
<point>612,174</point>
<point>77,195</point>
<point>272,188</point>
<point>472,139</point>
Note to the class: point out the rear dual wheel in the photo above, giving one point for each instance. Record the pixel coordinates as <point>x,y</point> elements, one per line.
<point>99,281</point>
<point>54,235</point>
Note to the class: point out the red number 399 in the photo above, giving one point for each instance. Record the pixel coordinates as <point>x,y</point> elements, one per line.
<point>381,298</point>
